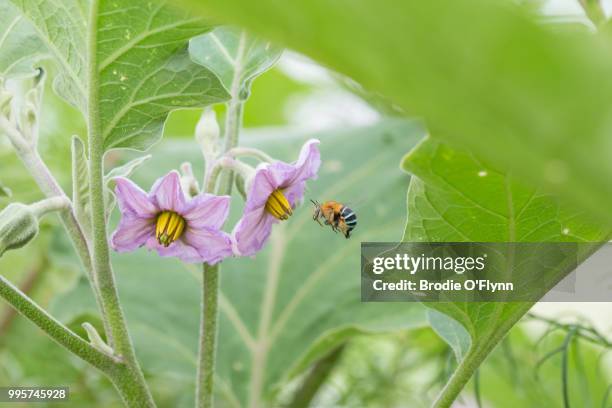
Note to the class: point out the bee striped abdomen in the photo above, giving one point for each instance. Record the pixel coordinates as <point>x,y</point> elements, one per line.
<point>349,216</point>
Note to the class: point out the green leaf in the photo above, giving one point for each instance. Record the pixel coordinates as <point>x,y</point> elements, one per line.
<point>234,56</point>
<point>143,70</point>
<point>484,74</point>
<point>61,27</point>
<point>451,331</point>
<point>457,198</point>
<point>295,301</point>
<point>125,170</point>
<point>20,47</point>
<point>80,185</point>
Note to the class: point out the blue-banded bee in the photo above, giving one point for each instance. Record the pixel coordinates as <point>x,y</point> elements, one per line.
<point>339,216</point>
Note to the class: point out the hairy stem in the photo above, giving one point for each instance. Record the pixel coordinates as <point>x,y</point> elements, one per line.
<point>475,357</point>
<point>208,336</point>
<point>207,349</point>
<point>54,329</point>
<point>139,394</point>
<point>250,152</point>
<point>51,204</point>
<point>233,122</point>
<point>233,117</point>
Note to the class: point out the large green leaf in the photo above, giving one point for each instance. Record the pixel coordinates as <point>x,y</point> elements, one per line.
<point>457,198</point>
<point>483,73</point>
<point>61,27</point>
<point>234,56</point>
<point>143,70</point>
<point>20,47</point>
<point>293,302</point>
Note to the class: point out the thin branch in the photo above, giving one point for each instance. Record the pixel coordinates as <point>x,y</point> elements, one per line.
<point>53,328</point>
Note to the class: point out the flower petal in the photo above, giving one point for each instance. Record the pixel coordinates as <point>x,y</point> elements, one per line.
<point>308,163</point>
<point>212,244</point>
<point>260,188</point>
<point>178,249</point>
<point>252,231</point>
<point>207,210</point>
<point>132,200</point>
<point>306,166</point>
<point>168,194</point>
<point>132,233</point>
<point>295,193</point>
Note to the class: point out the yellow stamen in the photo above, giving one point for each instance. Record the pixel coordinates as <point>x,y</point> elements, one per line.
<point>278,205</point>
<point>169,228</point>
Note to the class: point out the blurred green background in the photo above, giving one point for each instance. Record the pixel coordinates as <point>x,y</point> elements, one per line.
<point>403,368</point>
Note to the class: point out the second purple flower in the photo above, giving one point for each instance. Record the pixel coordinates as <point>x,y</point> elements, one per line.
<point>273,192</point>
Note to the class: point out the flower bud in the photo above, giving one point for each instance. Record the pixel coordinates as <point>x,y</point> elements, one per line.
<point>18,226</point>
<point>207,135</point>
<point>188,180</point>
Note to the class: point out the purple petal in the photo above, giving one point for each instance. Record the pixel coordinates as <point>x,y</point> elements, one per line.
<point>168,194</point>
<point>295,193</point>
<point>262,185</point>
<point>252,231</point>
<point>307,165</point>
<point>212,244</point>
<point>207,211</point>
<point>178,249</point>
<point>132,200</point>
<point>132,233</point>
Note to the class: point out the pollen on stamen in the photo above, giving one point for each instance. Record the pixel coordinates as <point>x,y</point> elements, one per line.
<point>278,205</point>
<point>169,227</point>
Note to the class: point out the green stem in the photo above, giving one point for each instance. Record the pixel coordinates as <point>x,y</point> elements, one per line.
<point>210,284</point>
<point>208,336</point>
<point>54,329</point>
<point>116,370</point>
<point>48,205</point>
<point>475,357</point>
<point>139,394</point>
<point>233,123</point>
<point>594,11</point>
<point>250,152</point>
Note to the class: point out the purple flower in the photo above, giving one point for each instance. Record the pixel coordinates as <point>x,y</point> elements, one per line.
<point>274,190</point>
<point>170,223</point>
